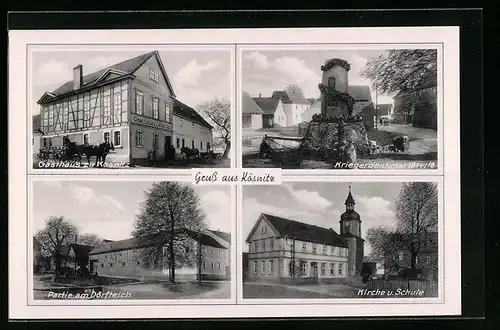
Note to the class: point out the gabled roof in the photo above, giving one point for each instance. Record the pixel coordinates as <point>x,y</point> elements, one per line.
<point>360,93</point>
<point>148,241</point>
<point>123,69</point>
<point>384,109</point>
<point>267,104</point>
<point>290,98</point>
<point>248,105</point>
<point>185,111</point>
<point>303,231</point>
<point>225,236</point>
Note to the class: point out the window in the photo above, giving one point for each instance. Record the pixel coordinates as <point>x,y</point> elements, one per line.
<point>138,138</point>
<point>204,264</point>
<point>340,268</point>
<point>208,145</point>
<point>154,76</point>
<point>271,266</point>
<point>167,111</point>
<point>177,143</point>
<point>271,244</point>
<point>324,249</point>
<point>123,264</point>
<point>102,265</point>
<point>192,144</point>
<point>111,264</point>
<point>304,247</point>
<point>106,136</point>
<point>332,269</point>
<point>183,143</point>
<point>263,245</point>
<point>255,267</point>
<point>427,259</point>
<point>416,260</point>
<point>192,125</point>
<point>263,229</point>
<point>323,268</point>
<point>86,139</point>
<point>400,256</point>
<point>138,262</point>
<point>117,103</point>
<point>262,267</point>
<point>139,102</point>
<point>156,107</point>
<point>155,141</point>
<point>303,268</point>
<point>181,122</point>
<point>314,248</point>
<point>219,265</point>
<point>331,82</point>
<point>201,145</point>
<point>117,138</point>
<point>212,264</point>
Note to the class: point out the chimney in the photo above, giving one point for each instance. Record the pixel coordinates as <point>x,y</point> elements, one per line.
<point>77,77</point>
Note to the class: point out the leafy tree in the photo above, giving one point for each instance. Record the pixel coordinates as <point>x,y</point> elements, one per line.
<point>57,233</point>
<point>402,69</point>
<point>89,239</point>
<point>219,113</point>
<point>294,89</point>
<point>169,209</point>
<point>416,219</point>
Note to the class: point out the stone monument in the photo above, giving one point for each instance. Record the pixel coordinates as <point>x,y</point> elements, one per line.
<point>335,133</point>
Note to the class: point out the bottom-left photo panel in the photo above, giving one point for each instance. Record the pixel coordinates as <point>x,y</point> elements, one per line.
<point>130,239</point>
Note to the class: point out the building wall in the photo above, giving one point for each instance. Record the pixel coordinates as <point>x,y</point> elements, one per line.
<point>191,132</point>
<point>280,116</point>
<point>253,121</point>
<point>422,114</point>
<point>141,151</point>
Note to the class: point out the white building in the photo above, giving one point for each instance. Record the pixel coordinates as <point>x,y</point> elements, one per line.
<point>190,129</point>
<point>294,105</point>
<point>251,113</point>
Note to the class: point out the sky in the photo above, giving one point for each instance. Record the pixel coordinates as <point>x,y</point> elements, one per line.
<point>265,71</point>
<point>321,204</point>
<point>108,208</point>
<point>196,75</point>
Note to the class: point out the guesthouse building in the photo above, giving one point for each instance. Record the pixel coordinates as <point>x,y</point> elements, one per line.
<point>131,104</point>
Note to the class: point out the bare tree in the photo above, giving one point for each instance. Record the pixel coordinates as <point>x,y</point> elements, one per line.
<point>294,89</point>
<point>402,69</point>
<point>57,233</point>
<point>219,113</point>
<point>169,209</point>
<point>89,239</point>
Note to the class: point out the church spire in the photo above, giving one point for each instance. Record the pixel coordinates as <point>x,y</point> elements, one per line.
<point>349,202</point>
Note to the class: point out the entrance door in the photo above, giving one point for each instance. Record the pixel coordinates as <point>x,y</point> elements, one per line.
<point>314,269</point>
<point>168,143</point>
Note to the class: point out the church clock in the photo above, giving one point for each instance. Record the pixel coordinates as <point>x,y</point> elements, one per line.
<point>350,222</point>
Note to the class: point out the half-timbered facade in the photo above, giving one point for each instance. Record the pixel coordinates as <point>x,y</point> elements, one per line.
<point>130,104</point>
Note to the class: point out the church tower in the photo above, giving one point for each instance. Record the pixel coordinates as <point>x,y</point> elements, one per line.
<point>350,230</point>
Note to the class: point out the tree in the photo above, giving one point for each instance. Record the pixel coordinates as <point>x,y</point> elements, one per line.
<point>417,215</point>
<point>402,69</point>
<point>89,239</point>
<point>57,233</point>
<point>294,89</point>
<point>169,209</point>
<point>219,112</point>
<point>416,219</point>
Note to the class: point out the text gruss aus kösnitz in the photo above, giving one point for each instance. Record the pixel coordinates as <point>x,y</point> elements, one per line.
<point>244,177</point>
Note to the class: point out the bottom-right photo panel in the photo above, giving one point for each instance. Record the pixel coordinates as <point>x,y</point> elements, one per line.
<point>324,240</point>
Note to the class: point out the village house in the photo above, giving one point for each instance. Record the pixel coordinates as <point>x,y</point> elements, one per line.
<point>294,105</point>
<point>363,106</point>
<point>251,113</point>
<point>417,107</point>
<point>274,112</point>
<point>190,129</point>
<point>426,259</point>
<point>125,258</point>
<point>385,111</point>
<point>320,255</point>
<point>131,104</point>
<point>74,256</point>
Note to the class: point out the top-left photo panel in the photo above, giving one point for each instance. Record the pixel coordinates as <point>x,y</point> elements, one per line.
<point>141,108</point>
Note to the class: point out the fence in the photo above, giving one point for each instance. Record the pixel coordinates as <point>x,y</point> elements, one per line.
<point>430,288</point>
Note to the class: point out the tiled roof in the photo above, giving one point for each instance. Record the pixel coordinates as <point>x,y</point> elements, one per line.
<point>384,109</point>
<point>248,105</point>
<point>360,93</point>
<point>293,98</point>
<point>267,104</point>
<point>185,111</point>
<point>225,236</point>
<point>148,241</point>
<point>305,232</point>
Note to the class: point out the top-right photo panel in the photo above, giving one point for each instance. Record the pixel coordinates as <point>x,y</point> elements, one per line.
<point>374,109</point>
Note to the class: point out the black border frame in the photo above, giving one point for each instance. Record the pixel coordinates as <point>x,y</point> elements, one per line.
<point>471,116</point>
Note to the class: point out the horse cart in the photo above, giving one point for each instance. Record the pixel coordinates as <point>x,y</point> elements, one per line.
<point>55,153</point>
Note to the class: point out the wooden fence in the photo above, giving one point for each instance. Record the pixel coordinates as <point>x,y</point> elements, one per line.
<point>430,288</point>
